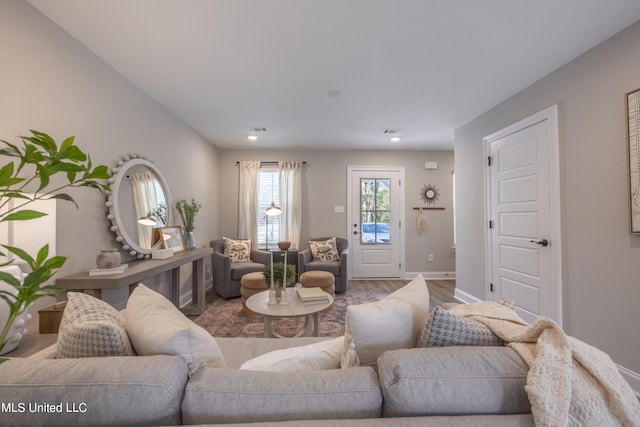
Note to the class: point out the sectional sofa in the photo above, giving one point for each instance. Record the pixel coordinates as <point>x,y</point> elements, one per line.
<point>397,364</point>
<point>448,386</point>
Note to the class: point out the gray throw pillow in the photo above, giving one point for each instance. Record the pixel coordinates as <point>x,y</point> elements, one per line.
<point>91,328</point>
<point>444,329</point>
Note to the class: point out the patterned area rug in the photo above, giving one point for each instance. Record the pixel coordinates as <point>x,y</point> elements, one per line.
<point>225,318</point>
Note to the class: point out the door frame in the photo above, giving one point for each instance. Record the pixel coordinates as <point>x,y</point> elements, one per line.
<point>401,212</point>
<point>551,115</point>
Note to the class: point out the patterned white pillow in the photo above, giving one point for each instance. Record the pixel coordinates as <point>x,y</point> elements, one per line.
<point>91,328</point>
<point>444,328</point>
<point>324,250</point>
<point>237,250</point>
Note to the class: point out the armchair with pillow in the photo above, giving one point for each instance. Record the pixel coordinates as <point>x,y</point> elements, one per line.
<point>326,254</point>
<point>232,259</point>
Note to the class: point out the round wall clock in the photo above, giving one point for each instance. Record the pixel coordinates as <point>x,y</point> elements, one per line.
<point>429,193</point>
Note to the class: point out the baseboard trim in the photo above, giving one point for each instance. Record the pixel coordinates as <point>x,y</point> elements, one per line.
<point>185,299</point>
<point>433,275</point>
<point>465,297</point>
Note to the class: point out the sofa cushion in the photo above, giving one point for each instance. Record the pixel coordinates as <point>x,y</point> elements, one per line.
<point>156,326</point>
<point>324,250</point>
<point>390,324</point>
<point>215,396</point>
<point>444,328</point>
<point>332,267</point>
<point>237,250</point>
<point>310,357</point>
<point>239,269</point>
<point>91,328</point>
<point>453,380</point>
<point>98,391</point>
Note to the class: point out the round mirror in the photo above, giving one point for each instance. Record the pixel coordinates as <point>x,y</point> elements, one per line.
<point>139,203</point>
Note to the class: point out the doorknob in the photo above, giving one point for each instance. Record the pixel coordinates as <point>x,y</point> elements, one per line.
<point>543,242</point>
<point>355,232</point>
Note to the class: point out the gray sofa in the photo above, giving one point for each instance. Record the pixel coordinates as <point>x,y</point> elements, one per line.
<point>439,386</point>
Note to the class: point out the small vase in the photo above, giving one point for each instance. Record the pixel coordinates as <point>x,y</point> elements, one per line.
<point>191,240</point>
<point>108,258</point>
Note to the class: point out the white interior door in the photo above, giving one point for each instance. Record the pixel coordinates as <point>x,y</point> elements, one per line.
<point>376,198</point>
<point>524,218</point>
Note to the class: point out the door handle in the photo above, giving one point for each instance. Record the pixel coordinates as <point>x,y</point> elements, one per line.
<point>355,232</point>
<point>543,242</point>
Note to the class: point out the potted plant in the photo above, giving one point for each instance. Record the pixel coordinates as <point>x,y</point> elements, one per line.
<point>278,274</point>
<point>188,211</point>
<point>26,176</point>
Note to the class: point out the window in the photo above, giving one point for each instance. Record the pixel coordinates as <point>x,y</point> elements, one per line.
<point>374,210</point>
<point>268,191</point>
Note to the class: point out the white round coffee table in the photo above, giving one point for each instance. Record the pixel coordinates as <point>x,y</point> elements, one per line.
<point>295,308</point>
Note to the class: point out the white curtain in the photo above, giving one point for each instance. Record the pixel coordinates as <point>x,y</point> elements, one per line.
<point>248,200</point>
<point>290,201</point>
<point>144,196</point>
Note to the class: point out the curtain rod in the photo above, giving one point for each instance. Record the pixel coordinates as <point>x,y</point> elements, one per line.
<point>269,163</point>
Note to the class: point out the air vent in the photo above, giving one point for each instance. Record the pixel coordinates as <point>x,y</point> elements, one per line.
<point>256,129</point>
<point>392,131</point>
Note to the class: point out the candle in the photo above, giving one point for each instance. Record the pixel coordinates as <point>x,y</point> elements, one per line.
<point>284,272</point>
<point>272,287</point>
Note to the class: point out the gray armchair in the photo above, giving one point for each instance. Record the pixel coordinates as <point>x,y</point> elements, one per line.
<point>337,268</point>
<point>227,275</point>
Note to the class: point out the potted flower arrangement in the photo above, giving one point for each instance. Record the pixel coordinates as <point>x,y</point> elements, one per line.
<point>25,181</point>
<point>188,211</point>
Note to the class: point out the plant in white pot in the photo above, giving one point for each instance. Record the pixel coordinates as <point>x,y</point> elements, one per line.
<point>188,211</point>
<point>27,175</point>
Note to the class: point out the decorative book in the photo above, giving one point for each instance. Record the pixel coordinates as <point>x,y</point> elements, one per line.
<point>115,270</point>
<point>316,295</point>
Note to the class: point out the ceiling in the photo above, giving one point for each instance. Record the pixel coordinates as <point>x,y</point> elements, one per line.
<point>335,74</point>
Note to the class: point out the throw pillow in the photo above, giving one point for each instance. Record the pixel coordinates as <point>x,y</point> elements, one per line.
<point>316,356</point>
<point>391,324</point>
<point>156,326</point>
<point>91,328</point>
<point>324,250</point>
<point>237,250</point>
<point>444,328</point>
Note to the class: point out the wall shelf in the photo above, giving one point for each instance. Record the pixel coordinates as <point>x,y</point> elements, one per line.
<point>428,209</point>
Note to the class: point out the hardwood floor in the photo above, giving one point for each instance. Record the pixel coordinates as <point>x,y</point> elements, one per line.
<point>440,291</point>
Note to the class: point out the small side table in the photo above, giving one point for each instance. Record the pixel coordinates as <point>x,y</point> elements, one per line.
<point>259,304</point>
<point>292,258</point>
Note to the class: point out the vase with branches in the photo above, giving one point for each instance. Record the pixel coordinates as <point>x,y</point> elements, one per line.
<point>187,211</point>
<point>26,176</point>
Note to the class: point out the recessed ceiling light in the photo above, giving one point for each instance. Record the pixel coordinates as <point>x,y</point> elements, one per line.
<point>394,139</point>
<point>252,137</point>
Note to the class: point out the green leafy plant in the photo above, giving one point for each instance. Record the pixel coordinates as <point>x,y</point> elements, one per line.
<point>24,179</point>
<point>278,274</point>
<point>188,211</point>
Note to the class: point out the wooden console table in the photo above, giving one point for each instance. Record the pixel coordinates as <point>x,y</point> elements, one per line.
<point>138,271</point>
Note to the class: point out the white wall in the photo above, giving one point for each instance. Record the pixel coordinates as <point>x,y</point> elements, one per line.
<point>600,257</point>
<point>51,83</point>
<point>325,186</point>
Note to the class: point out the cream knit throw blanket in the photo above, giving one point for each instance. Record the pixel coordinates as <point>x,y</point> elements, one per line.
<point>569,383</point>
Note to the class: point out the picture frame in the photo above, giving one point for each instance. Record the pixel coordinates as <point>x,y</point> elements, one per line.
<point>172,238</point>
<point>632,109</point>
